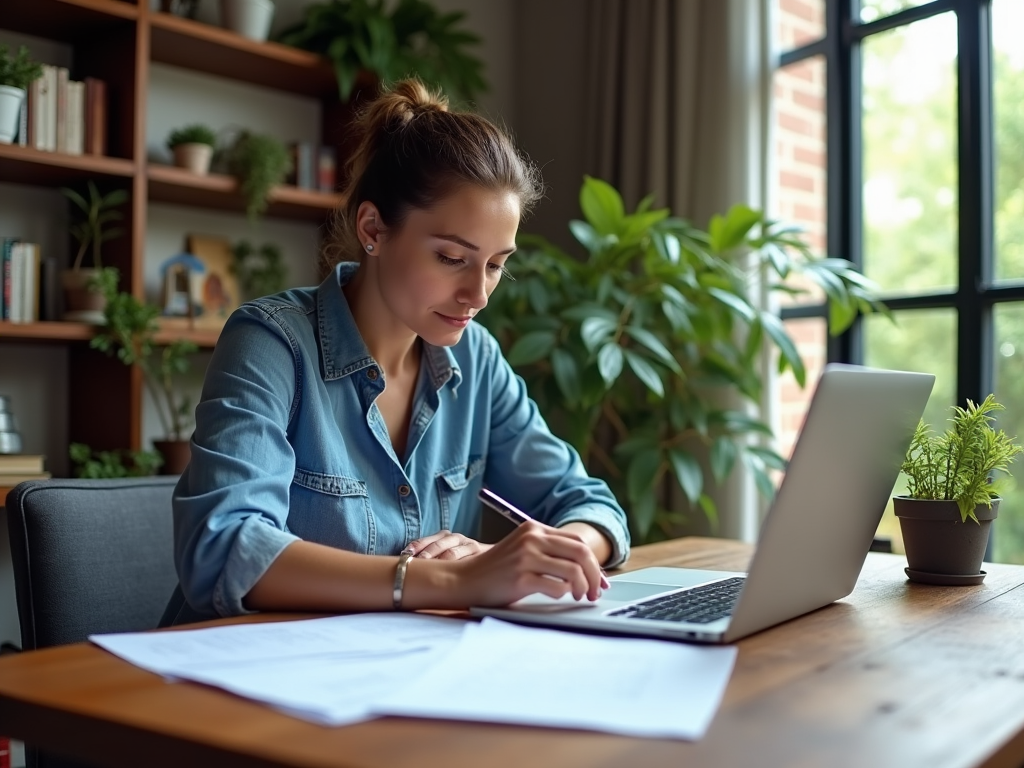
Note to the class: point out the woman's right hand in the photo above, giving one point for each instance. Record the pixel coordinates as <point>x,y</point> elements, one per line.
<point>532,558</point>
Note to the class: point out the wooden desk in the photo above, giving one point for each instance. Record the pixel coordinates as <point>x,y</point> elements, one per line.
<point>897,674</point>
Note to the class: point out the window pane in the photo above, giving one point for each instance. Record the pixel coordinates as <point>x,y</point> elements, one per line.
<point>810,336</point>
<point>799,194</point>
<point>1008,535</point>
<point>876,9</point>
<point>798,22</point>
<point>1008,106</point>
<point>920,340</point>
<point>910,143</point>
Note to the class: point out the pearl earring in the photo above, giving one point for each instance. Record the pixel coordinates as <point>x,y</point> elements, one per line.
<point>369,247</point>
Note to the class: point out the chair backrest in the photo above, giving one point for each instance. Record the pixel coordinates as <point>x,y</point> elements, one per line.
<point>90,556</point>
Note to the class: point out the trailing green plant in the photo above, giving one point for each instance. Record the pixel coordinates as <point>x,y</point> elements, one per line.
<point>92,228</point>
<point>130,333</point>
<point>107,464</point>
<point>639,345</point>
<point>18,70</point>
<point>413,38</point>
<point>958,465</point>
<point>259,162</point>
<point>192,134</point>
<point>260,272</point>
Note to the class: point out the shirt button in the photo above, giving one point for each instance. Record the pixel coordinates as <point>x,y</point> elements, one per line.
<point>372,373</point>
<point>404,490</point>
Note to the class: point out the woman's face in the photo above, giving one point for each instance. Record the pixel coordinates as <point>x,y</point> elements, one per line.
<point>439,269</point>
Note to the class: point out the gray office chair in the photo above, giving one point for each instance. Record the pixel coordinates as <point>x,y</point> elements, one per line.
<point>90,556</point>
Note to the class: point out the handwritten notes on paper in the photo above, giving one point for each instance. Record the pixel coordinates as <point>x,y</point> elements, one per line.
<point>344,669</point>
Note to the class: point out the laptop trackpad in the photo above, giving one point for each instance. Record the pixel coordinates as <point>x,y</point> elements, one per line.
<point>628,591</point>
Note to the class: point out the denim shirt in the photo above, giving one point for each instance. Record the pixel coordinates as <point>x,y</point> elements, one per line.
<point>289,444</point>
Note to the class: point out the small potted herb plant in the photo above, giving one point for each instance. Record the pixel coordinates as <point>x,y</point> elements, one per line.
<point>16,72</point>
<point>85,287</point>
<point>952,497</point>
<point>193,146</point>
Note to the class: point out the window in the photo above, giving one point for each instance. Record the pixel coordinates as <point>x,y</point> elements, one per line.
<point>922,161</point>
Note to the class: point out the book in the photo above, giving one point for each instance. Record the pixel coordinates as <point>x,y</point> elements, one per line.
<point>21,463</point>
<point>325,169</point>
<point>95,116</point>
<point>11,479</point>
<point>61,119</point>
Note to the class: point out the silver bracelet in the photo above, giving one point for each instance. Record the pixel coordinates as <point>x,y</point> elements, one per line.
<point>403,563</point>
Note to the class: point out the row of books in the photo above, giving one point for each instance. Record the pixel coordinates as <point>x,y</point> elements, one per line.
<point>64,115</point>
<point>18,467</point>
<point>28,282</point>
<point>313,167</point>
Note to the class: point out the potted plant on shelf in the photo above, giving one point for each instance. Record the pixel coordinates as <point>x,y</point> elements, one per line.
<point>413,37</point>
<point>260,272</point>
<point>85,289</point>
<point>952,497</point>
<point>16,72</point>
<point>644,353</point>
<point>105,464</point>
<point>130,332</point>
<point>249,18</point>
<point>193,146</point>
<point>259,162</point>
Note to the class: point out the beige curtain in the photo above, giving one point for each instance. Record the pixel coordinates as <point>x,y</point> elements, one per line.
<point>677,105</point>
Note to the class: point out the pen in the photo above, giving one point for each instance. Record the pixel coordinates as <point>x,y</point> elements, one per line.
<point>517,516</point>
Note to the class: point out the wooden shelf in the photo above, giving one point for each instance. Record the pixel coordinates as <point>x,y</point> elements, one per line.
<point>25,165</point>
<point>169,184</point>
<point>178,329</point>
<point>216,51</point>
<point>45,331</point>
<point>66,20</point>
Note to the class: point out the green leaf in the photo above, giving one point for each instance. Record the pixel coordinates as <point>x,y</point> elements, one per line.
<point>602,205</point>
<point>654,344</point>
<point>640,474</point>
<point>736,303</point>
<point>595,330</point>
<point>770,458</point>
<point>531,347</point>
<point>729,231</point>
<point>645,372</point>
<point>538,293</point>
<point>586,235</point>
<point>688,473</point>
<point>710,511</point>
<point>642,512</point>
<point>567,374</point>
<point>787,349</point>
<point>667,246</point>
<point>609,362</point>
<point>722,458</point>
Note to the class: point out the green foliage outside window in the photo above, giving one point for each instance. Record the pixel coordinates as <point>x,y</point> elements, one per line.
<point>628,350</point>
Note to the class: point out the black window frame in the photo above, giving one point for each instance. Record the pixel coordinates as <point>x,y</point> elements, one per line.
<point>975,294</point>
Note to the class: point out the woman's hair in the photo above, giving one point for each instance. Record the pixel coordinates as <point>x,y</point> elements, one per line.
<point>411,152</point>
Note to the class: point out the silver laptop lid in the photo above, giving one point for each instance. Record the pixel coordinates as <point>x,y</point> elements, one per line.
<point>816,536</point>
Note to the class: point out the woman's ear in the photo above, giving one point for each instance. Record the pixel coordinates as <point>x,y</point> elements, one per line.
<point>368,228</point>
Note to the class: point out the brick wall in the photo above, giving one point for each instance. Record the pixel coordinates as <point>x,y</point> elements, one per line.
<point>798,194</point>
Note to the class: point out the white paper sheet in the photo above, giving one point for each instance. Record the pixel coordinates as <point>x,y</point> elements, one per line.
<point>345,669</point>
<point>513,674</point>
<point>329,670</point>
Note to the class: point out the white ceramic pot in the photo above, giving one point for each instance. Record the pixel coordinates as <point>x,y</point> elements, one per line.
<point>11,99</point>
<point>249,18</point>
<point>193,156</point>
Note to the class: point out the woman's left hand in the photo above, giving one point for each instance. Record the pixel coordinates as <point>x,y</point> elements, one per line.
<point>446,545</point>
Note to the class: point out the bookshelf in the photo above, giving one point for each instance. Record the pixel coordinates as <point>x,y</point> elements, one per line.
<point>117,41</point>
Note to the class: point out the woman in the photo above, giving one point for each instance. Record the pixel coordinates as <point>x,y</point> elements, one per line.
<point>343,424</point>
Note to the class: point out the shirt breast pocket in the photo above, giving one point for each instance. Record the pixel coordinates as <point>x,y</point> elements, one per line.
<point>455,491</point>
<point>332,510</point>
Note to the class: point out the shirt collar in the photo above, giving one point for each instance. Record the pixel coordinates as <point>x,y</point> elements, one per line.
<point>342,348</point>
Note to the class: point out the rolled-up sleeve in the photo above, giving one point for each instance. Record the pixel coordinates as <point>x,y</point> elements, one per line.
<point>539,472</point>
<point>231,504</point>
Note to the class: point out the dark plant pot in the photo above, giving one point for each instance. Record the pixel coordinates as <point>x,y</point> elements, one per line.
<point>940,548</point>
<point>80,303</point>
<point>176,455</point>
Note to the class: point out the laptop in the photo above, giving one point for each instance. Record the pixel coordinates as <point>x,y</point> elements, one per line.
<point>812,543</point>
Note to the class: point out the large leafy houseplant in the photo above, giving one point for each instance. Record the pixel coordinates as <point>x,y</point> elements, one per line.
<point>412,38</point>
<point>634,345</point>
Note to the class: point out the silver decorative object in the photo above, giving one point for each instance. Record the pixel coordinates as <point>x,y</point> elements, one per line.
<point>10,439</point>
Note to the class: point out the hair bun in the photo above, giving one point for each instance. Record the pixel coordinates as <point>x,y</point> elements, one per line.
<point>411,98</point>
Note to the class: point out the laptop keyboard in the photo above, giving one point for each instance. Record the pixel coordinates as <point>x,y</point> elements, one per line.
<point>699,605</point>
